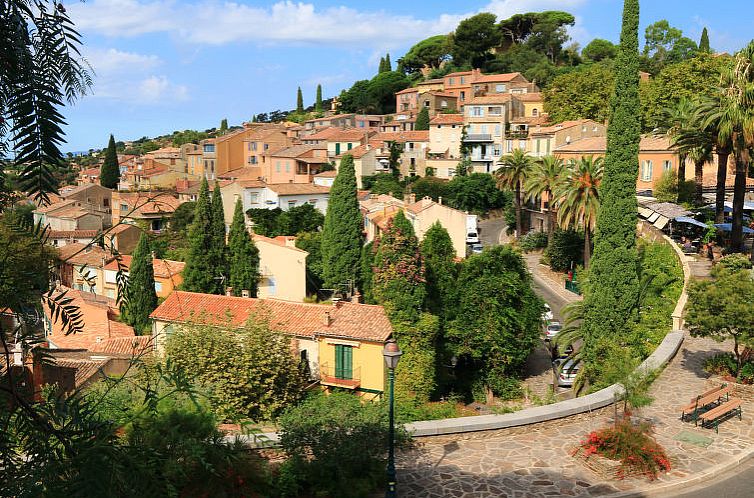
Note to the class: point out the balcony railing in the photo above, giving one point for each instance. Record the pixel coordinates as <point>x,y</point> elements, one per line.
<point>330,376</point>
<point>516,134</point>
<point>478,137</point>
<point>486,157</point>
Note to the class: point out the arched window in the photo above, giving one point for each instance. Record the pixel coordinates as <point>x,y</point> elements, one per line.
<point>535,112</point>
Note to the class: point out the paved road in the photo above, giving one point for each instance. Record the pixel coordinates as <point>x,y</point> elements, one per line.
<point>734,484</point>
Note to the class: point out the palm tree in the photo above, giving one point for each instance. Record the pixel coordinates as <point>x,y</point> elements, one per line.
<point>513,171</point>
<point>712,122</point>
<point>578,197</point>
<point>673,121</point>
<point>543,178</point>
<point>696,143</point>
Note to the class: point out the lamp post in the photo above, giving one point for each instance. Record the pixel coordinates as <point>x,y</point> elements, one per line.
<point>392,354</point>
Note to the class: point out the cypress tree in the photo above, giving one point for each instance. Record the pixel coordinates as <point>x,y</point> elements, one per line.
<point>381,67</point>
<point>341,234</point>
<point>141,298</point>
<point>220,250</point>
<point>422,120</point>
<point>613,275</point>
<point>224,124</point>
<point>299,101</point>
<point>440,270</point>
<point>388,64</point>
<point>243,255</point>
<point>199,273</point>
<point>109,174</point>
<point>318,101</point>
<point>704,41</point>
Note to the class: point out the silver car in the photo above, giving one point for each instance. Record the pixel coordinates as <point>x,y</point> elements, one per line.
<point>552,330</point>
<point>567,370</point>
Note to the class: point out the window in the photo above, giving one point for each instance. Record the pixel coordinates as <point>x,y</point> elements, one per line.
<point>287,167</point>
<point>522,144</point>
<point>443,103</point>
<point>496,150</point>
<point>463,96</point>
<point>483,129</point>
<point>253,160</point>
<point>646,170</point>
<point>124,207</point>
<point>110,293</point>
<point>498,130</point>
<point>426,103</point>
<point>158,286</point>
<point>209,148</point>
<point>583,129</point>
<point>667,165</point>
<point>266,146</point>
<point>291,204</point>
<point>535,112</point>
<point>253,198</point>
<point>361,124</point>
<point>313,202</point>
<point>350,146</point>
<point>509,145</point>
<point>494,111</point>
<point>463,80</point>
<point>343,362</point>
<point>106,202</point>
<point>277,166</point>
<point>450,81</point>
<point>253,146</point>
<point>500,88</point>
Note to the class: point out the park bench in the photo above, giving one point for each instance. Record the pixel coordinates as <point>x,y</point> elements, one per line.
<point>699,403</point>
<point>713,417</point>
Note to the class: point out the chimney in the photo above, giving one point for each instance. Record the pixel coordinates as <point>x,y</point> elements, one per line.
<point>337,302</point>
<point>229,291</point>
<point>412,198</point>
<point>326,319</point>
<point>245,293</point>
<point>439,200</point>
<point>356,297</point>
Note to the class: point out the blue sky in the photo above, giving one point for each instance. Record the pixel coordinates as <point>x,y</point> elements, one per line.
<point>165,65</point>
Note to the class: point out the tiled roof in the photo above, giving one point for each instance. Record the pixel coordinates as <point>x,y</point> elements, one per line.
<point>58,206</point>
<point>430,82</point>
<point>73,234</point>
<point>495,78</point>
<point>323,134</point>
<point>403,136</point>
<point>347,320</point>
<point>163,268</point>
<point>381,217</point>
<point>119,228</point>
<point>560,126</point>
<point>498,98</point>
<point>357,152</point>
<point>407,90</point>
<point>458,73</point>
<point>85,369</point>
<point>278,241</point>
<point>144,203</point>
<point>84,254</point>
<point>599,145</point>
<point>66,192</point>
<point>438,93</point>
<point>89,172</point>
<point>132,346</point>
<point>528,97</point>
<point>350,135</point>
<point>541,120</point>
<point>70,212</point>
<point>327,174</point>
<point>244,173</point>
<point>297,188</point>
<point>295,151</point>
<point>442,119</point>
<point>248,183</point>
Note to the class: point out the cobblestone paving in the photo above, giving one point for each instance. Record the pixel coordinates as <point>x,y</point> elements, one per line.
<point>535,461</point>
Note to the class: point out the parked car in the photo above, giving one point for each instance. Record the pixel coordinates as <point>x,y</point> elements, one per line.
<point>547,315</point>
<point>476,248</point>
<point>567,370</point>
<point>553,328</point>
<point>472,238</point>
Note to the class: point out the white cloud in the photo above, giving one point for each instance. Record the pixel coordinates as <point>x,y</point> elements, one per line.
<point>112,61</point>
<point>506,8</point>
<point>158,88</point>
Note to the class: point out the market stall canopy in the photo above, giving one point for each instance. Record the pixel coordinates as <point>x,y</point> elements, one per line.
<point>727,227</point>
<point>690,221</point>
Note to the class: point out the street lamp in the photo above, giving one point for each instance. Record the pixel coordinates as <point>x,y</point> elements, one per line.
<point>392,354</point>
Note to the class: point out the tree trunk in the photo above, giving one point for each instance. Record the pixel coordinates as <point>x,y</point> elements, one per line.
<point>519,227</point>
<point>699,180</point>
<point>737,353</point>
<point>722,173</point>
<point>739,191</point>
<point>550,220</point>
<point>681,169</point>
<point>587,248</point>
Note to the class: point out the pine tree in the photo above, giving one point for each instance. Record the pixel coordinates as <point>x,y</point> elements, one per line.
<point>243,255</point>
<point>704,41</point>
<point>318,101</point>
<point>224,124</point>
<point>440,270</point>
<point>422,119</point>
<point>141,298</point>
<point>199,273</point>
<point>109,174</point>
<point>299,101</point>
<point>341,234</point>
<point>220,250</point>
<point>613,276</point>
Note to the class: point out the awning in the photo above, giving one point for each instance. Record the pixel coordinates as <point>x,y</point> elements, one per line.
<point>435,150</point>
<point>748,206</point>
<point>728,227</point>
<point>645,212</point>
<point>653,217</point>
<point>690,221</point>
<point>661,222</point>
<point>726,209</point>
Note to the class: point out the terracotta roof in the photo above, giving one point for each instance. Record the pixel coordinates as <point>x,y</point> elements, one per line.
<point>278,241</point>
<point>119,228</point>
<point>143,203</point>
<point>296,151</point>
<point>357,152</point>
<point>251,183</point>
<point>85,369</point>
<point>541,120</point>
<point>74,234</point>
<point>430,82</point>
<point>327,174</point>
<point>71,213</point>
<point>407,90</point>
<point>297,188</point>
<point>403,136</point>
<point>131,346</point>
<point>347,320</point>
<point>244,173</point>
<point>163,268</point>
<point>89,172</point>
<point>561,126</point>
<point>599,145</point>
<point>84,254</point>
<point>438,93</point>
<point>442,119</point>
<point>494,78</point>
<point>323,134</point>
<point>381,217</point>
<point>528,97</point>
<point>158,169</point>
<point>68,191</point>
<point>350,135</point>
<point>498,98</point>
<point>458,73</point>
<point>49,209</point>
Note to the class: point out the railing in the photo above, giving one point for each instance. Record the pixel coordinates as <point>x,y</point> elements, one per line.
<point>330,376</point>
<point>516,134</point>
<point>479,137</point>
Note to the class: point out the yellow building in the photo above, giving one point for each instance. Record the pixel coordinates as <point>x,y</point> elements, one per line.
<point>445,132</point>
<point>282,268</point>
<point>167,275</point>
<point>341,344</point>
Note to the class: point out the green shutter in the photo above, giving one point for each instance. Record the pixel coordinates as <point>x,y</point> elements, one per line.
<point>343,362</point>
<point>337,148</point>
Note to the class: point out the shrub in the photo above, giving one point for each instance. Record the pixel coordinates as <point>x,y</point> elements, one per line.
<point>721,364</point>
<point>746,376</point>
<point>632,444</point>
<point>533,240</point>
<point>732,263</point>
<point>566,248</point>
<point>666,188</point>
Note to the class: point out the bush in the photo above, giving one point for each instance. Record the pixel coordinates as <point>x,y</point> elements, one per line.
<point>410,409</point>
<point>746,376</point>
<point>336,445</point>
<point>721,364</point>
<point>533,240</point>
<point>732,263</point>
<point>566,248</point>
<point>632,444</point>
<point>666,188</point>
<point>430,187</point>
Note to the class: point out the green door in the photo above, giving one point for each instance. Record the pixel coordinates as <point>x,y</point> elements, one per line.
<point>337,148</point>
<point>343,362</point>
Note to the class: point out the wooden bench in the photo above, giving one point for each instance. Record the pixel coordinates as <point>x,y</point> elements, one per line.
<point>703,400</point>
<point>714,416</point>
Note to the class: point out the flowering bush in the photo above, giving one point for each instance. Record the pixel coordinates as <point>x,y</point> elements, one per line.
<point>632,445</point>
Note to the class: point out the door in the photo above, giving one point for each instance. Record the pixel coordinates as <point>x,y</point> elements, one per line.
<point>337,148</point>
<point>343,362</point>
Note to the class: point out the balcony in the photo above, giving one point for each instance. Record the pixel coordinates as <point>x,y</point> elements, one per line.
<point>478,137</point>
<point>330,376</point>
<point>517,134</point>
<point>480,157</point>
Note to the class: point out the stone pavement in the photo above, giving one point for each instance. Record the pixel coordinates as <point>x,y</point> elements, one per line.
<point>535,461</point>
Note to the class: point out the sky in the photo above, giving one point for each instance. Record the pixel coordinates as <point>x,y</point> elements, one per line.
<point>166,65</point>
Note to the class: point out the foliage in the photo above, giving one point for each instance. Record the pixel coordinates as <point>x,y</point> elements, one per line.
<point>633,445</point>
<point>303,218</point>
<point>473,38</point>
<point>731,263</point>
<point>422,119</point>
<point>318,99</point>
<point>440,270</point>
<point>140,298</point>
<point>723,309</point>
<point>200,271</point>
<point>666,187</point>
<point>182,217</point>
<point>380,92</point>
<point>219,249</point>
<point>223,125</point>
<point>428,53</point>
<point>385,65</point>
<point>613,273</point>
<point>435,188</point>
<point>341,233</point>
<point>565,250</point>
<point>476,193</point>
<point>243,256</point>
<point>721,364</point>
<point>512,174</point>
<point>409,409</point>
<point>264,221</point>
<point>415,377</point>
<point>109,174</point>
<point>664,45</point>
<point>542,179</point>
<point>299,101</point>
<point>188,137</point>
<point>704,42</point>
<point>499,316</point>
<point>311,242</point>
<point>581,94</point>
<point>599,49</point>
<point>532,241</point>
<point>334,445</point>
<point>386,183</point>
<point>249,372</point>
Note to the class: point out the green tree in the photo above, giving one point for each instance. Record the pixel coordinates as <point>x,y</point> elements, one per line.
<point>666,187</point>
<point>599,49</point>
<point>388,64</point>
<point>613,274</point>
<point>140,297</point>
<point>341,234</point>
<point>110,172</point>
<point>367,264</point>
<point>250,369</point>
<point>440,270</point>
<point>24,274</point>
<point>303,218</point>
<point>549,33</point>
<point>583,93</point>
<point>665,44</point>
<point>474,38</point>
<point>435,188</point>
<point>199,273</point>
<point>723,309</point>
<point>299,101</point>
<point>704,42</point>
<point>357,98</point>
<point>265,221</point>
<point>219,248</point>
<point>223,125</point>
<point>386,183</point>
<point>428,53</point>
<point>381,90</point>
<point>498,320</point>
<point>422,119</point>
<point>318,101</point>
<point>512,174</point>
<point>385,65</point>
<point>476,193</point>
<point>243,255</point>
<point>543,178</point>
<point>311,242</point>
